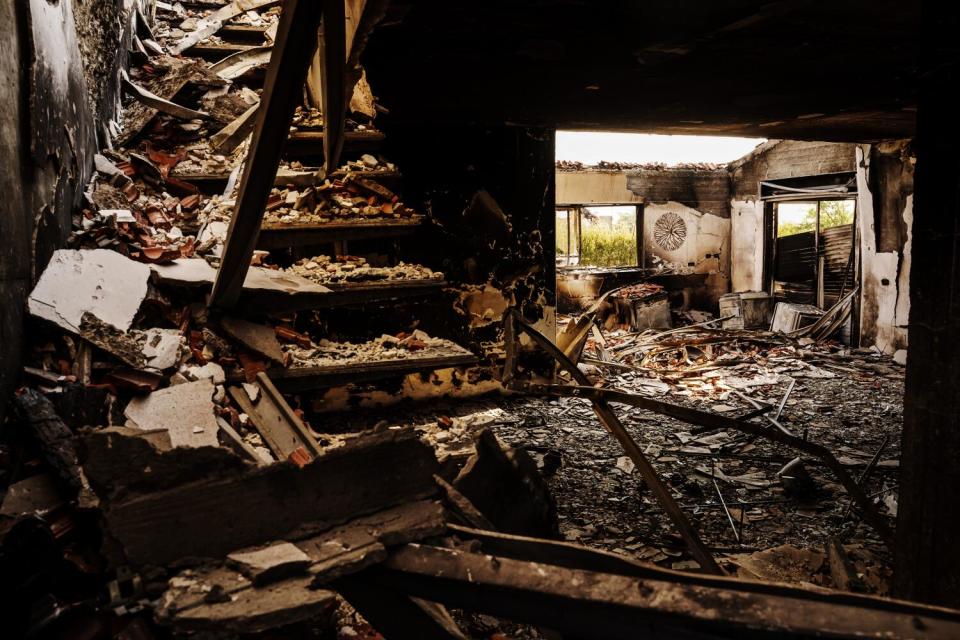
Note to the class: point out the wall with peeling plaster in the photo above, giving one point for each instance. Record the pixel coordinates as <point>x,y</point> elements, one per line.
<point>773,160</point>
<point>884,218</point>
<point>50,50</point>
<point>699,197</point>
<point>885,205</point>
<point>595,187</point>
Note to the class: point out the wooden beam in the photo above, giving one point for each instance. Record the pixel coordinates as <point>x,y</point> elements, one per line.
<point>213,517</point>
<point>295,44</point>
<point>295,379</point>
<point>334,81</point>
<point>612,423</point>
<point>395,615</point>
<point>298,235</point>
<point>927,550</point>
<point>716,421</point>
<point>600,605</point>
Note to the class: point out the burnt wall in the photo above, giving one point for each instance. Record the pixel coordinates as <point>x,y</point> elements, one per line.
<point>705,191</point>
<point>885,206</point>
<point>780,159</point>
<point>15,218</point>
<point>49,51</point>
<point>777,159</point>
<point>489,192</point>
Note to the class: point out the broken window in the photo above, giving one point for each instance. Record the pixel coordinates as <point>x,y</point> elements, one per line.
<point>813,252</point>
<point>597,236</point>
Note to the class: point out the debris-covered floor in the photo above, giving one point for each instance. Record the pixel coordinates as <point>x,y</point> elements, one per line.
<point>171,467</point>
<point>849,401</point>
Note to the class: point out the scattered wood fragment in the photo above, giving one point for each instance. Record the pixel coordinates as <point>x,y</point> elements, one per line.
<point>843,574</point>
<point>282,429</point>
<point>39,422</point>
<point>504,485</point>
<point>612,423</point>
<point>242,605</point>
<point>395,615</point>
<point>230,137</point>
<point>461,506</point>
<point>615,606</point>
<point>212,518</point>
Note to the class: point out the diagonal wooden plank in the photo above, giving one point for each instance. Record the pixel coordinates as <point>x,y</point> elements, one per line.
<point>295,44</point>
<point>333,80</point>
<point>610,420</point>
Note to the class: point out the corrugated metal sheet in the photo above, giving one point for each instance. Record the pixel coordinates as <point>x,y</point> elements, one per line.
<point>835,246</point>
<point>795,269</point>
<point>796,265</point>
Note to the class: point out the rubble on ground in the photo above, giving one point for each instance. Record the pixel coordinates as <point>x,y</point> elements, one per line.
<point>326,353</point>
<point>328,270</point>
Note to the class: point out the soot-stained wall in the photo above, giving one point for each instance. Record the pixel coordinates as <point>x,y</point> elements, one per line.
<point>49,51</point>
<point>686,216</point>
<point>885,205</point>
<point>773,160</point>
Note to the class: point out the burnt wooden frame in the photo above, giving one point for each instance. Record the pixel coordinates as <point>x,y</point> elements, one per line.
<point>295,44</point>
<point>586,593</point>
<point>608,418</point>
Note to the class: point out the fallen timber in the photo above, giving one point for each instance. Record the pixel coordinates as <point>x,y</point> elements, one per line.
<point>611,422</point>
<point>716,421</point>
<point>600,398</point>
<point>588,603</point>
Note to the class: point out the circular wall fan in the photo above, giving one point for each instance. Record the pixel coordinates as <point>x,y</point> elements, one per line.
<point>669,231</point>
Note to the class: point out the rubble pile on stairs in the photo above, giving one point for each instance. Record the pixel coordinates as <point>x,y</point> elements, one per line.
<point>155,447</point>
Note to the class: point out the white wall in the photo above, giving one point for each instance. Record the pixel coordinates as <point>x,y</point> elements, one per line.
<point>706,234</point>
<point>746,245</point>
<point>585,187</point>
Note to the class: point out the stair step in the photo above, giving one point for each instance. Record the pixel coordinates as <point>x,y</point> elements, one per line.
<point>298,235</point>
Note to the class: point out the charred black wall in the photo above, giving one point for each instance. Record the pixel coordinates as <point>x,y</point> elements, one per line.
<point>15,219</point>
<point>704,190</point>
<point>489,191</point>
<point>48,52</point>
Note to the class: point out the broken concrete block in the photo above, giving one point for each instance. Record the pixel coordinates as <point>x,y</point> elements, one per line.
<point>162,348</point>
<point>185,411</point>
<point>210,371</point>
<point>101,282</point>
<point>259,338</point>
<point>276,562</point>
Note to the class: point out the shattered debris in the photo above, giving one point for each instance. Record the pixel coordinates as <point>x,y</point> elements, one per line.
<point>185,411</point>
<point>326,270</point>
<point>99,282</point>
<point>173,453</point>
